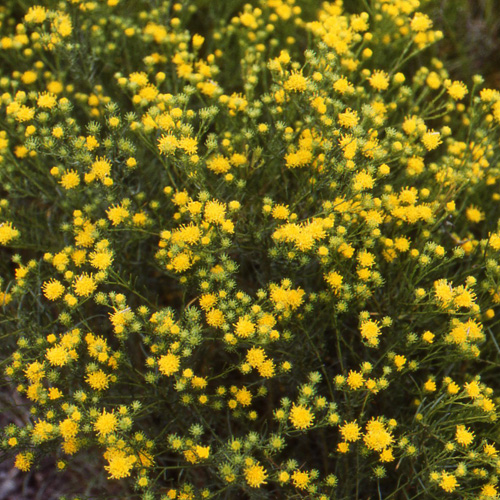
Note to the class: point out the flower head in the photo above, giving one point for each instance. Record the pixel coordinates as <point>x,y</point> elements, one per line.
<point>255,475</point>
<point>301,417</point>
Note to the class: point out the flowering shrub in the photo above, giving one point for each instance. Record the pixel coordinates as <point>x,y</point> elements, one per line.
<point>249,250</point>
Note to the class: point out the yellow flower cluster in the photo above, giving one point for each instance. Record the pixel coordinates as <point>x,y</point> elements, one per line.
<point>246,255</point>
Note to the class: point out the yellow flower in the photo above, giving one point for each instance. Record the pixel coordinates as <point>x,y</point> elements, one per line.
<point>24,461</point>
<point>117,214</point>
<point>343,86</point>
<point>84,285</point>
<point>283,476</point>
<point>119,463</point>
<point>296,82</point>
<point>431,140</point>
<point>244,327</point>
<point>244,396</point>
<point>70,180</point>
<point>97,347</point>
<point>46,100</point>
<point>7,233</point>
<point>464,298</point>
<point>219,164</point>
<point>300,479</point>
<point>448,482</point>
<point>473,389</point>
<point>280,212</point>
<point>181,262</point>
<point>363,180</point>
<point>399,361</point>
<point>169,364</point>
<point>430,386</point>
<point>215,318</point>
<point>266,369</point>
<point>189,234</point>
<point>198,382</point>
<point>255,356</point>
<point>36,14</point>
<point>350,431</point>
<point>62,24</point>
<point>52,289</point>
<point>91,143</point>
<point>42,431</point>
<point>101,260</point>
<point>490,450</point>
<point>255,475</point>
<point>318,103</point>
<point>57,356</point>
<point>379,80</point>
<point>444,292</point>
<point>189,145</point>
<point>457,90</point>
<point>203,452</point>
<point>198,41</point>
<point>106,423</point>
<point>167,144</point>
<point>453,388</point>
<point>284,298</point>
<point>29,77</point>
<point>68,428</point>
<point>55,87</point>
<point>148,92</point>
<point>420,22</point>
<point>489,491</point>
<point>355,380</point>
<point>348,118</point>
<point>377,437</point>
<point>370,331</point>
<point>334,279</point>
<point>34,371</point>
<point>207,301</point>
<point>473,214</point>
<point>386,455</point>
<point>343,447</point>
<point>101,167</point>
<point>464,436</point>
<point>215,212</point>
<point>301,417</point>
<point>98,380</point>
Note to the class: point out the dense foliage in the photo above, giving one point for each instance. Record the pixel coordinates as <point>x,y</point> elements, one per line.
<point>249,250</point>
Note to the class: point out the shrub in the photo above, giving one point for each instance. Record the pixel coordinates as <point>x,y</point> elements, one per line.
<point>249,249</point>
